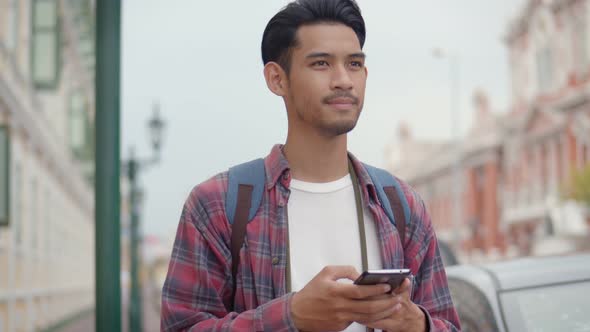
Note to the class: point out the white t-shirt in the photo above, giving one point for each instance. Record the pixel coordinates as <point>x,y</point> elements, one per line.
<point>323,230</point>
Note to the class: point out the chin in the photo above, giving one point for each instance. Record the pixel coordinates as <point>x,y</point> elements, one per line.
<point>340,128</point>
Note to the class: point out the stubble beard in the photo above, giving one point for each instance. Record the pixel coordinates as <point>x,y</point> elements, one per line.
<point>325,127</point>
<point>337,128</point>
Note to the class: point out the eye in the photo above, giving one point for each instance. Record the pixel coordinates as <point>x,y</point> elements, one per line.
<point>320,63</point>
<point>357,64</point>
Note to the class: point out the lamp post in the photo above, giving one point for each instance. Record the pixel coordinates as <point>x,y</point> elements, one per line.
<point>456,144</point>
<point>107,163</point>
<point>133,167</point>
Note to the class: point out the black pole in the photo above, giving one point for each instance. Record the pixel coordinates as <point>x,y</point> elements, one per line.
<point>135,296</point>
<point>107,194</point>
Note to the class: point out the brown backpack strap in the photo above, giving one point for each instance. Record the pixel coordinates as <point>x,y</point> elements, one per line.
<point>238,232</point>
<point>398,212</point>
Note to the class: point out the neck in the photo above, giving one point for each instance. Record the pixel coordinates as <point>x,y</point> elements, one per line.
<point>313,158</point>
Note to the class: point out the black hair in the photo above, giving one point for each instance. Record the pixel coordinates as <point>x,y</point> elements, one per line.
<point>279,37</point>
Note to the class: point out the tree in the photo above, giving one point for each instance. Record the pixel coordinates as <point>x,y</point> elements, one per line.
<point>578,187</point>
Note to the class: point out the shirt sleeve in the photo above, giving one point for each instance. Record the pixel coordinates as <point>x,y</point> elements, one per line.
<point>198,286</point>
<point>430,290</point>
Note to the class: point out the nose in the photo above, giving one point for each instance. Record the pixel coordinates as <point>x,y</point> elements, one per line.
<point>341,79</point>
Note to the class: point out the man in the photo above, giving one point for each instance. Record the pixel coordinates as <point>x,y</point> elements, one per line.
<point>304,237</point>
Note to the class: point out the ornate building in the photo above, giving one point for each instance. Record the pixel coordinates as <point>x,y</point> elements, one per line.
<point>46,162</point>
<point>513,165</point>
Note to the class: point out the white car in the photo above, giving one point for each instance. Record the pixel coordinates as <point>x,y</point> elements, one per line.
<point>530,294</point>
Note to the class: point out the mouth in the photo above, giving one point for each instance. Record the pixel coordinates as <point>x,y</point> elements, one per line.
<point>342,103</point>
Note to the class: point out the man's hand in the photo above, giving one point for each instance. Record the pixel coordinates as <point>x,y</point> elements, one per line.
<point>406,316</point>
<point>327,305</point>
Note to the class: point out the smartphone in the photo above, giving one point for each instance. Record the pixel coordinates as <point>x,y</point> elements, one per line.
<point>391,277</point>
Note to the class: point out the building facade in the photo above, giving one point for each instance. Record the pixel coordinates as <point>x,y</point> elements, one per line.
<point>513,166</point>
<point>46,162</point>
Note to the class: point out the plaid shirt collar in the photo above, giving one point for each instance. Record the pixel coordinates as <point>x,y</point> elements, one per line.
<point>279,171</point>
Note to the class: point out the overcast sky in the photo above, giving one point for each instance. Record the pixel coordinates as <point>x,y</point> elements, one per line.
<point>201,61</point>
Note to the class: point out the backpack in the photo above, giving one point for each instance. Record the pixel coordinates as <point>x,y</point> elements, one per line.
<point>245,189</point>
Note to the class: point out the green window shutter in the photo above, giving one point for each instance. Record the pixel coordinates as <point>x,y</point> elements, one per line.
<point>12,25</point>
<point>77,126</point>
<point>4,176</point>
<point>45,47</point>
<point>89,149</point>
<point>17,206</point>
<point>46,217</point>
<point>34,215</point>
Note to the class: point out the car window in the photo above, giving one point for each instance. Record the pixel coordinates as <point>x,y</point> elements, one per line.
<point>475,312</point>
<point>564,307</point>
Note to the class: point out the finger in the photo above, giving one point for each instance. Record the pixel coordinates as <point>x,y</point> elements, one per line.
<point>390,322</point>
<point>380,297</point>
<point>369,307</point>
<point>361,292</point>
<point>387,314</point>
<point>404,287</point>
<point>335,272</point>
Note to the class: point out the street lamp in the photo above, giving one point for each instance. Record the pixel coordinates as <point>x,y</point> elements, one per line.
<point>156,126</point>
<point>456,144</point>
<point>132,167</point>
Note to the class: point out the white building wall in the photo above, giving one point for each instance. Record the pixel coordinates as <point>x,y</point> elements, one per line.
<point>48,275</point>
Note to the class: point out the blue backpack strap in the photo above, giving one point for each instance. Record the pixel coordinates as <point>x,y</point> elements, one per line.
<point>245,186</point>
<point>251,173</point>
<point>383,179</point>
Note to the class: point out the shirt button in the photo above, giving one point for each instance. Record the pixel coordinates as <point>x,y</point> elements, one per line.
<point>275,260</point>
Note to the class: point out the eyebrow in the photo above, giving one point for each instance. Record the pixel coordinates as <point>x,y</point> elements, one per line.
<point>328,55</point>
<point>358,55</point>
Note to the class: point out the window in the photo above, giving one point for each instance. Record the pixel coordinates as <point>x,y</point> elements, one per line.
<point>544,68</point>
<point>579,36</point>
<point>48,212</point>
<point>12,24</point>
<point>78,125</point>
<point>581,154</point>
<point>4,176</point>
<point>472,305</point>
<point>480,179</point>
<point>34,214</point>
<point>17,194</point>
<point>45,44</point>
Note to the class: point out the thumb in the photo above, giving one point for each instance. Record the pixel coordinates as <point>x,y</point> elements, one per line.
<point>404,287</point>
<point>335,272</point>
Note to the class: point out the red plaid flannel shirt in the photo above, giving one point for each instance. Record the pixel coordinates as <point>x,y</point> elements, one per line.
<point>197,292</point>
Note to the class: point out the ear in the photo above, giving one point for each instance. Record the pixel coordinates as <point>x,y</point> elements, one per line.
<point>276,79</point>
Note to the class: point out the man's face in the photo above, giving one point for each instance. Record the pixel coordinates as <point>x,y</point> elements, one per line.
<point>326,85</point>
